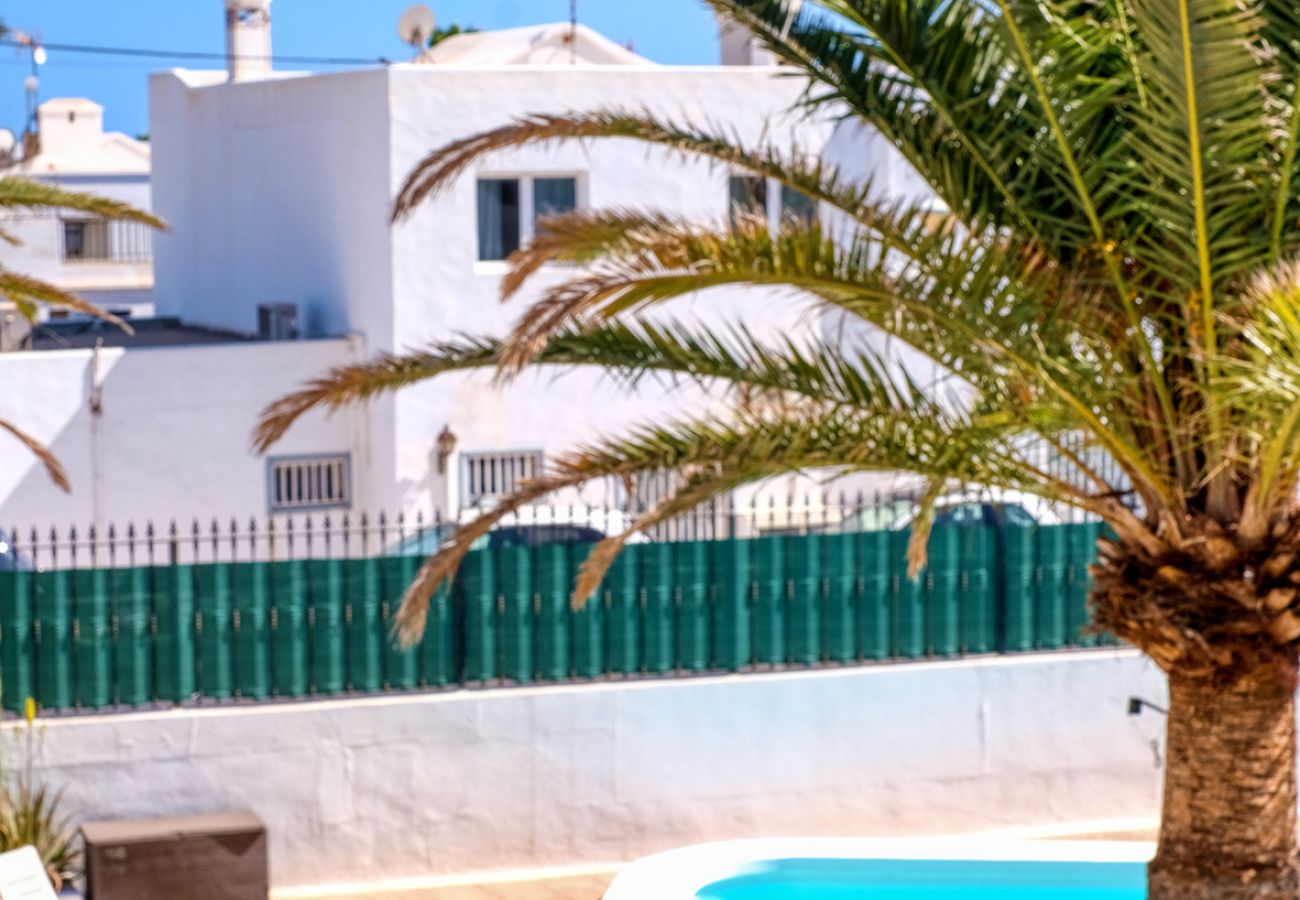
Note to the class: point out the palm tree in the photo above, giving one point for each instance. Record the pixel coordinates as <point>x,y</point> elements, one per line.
<point>30,294</point>
<point>1117,264</point>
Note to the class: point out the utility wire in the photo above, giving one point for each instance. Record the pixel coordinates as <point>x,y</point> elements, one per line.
<point>193,54</point>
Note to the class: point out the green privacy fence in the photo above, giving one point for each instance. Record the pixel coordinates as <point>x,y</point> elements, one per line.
<point>137,634</point>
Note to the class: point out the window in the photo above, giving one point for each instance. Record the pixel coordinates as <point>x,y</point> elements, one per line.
<point>309,482</point>
<point>498,217</point>
<point>553,197</point>
<point>95,240</point>
<point>85,239</point>
<point>486,476</point>
<point>748,196</point>
<point>509,210</point>
<point>798,206</point>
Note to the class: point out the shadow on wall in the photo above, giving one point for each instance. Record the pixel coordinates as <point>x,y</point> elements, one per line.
<point>155,434</point>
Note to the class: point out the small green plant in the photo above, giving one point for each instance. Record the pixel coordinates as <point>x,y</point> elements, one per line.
<point>441,34</point>
<point>31,814</point>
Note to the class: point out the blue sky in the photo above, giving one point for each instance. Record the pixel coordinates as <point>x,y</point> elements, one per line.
<point>667,31</point>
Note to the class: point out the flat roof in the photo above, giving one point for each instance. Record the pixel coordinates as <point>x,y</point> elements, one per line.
<point>77,334</point>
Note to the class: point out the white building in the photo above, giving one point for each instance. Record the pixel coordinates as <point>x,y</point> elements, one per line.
<point>278,187</point>
<point>109,263</point>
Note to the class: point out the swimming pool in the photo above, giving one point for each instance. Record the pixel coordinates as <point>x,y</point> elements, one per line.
<point>931,869</point>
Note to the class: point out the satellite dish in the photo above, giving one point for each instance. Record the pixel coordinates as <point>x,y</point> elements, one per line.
<point>416,25</point>
<point>8,142</point>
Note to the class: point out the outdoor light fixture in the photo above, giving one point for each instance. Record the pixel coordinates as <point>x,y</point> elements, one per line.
<point>1135,705</point>
<point>446,446</point>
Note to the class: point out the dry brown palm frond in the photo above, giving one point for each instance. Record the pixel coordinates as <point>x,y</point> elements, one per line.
<point>27,292</point>
<point>800,171</point>
<point>53,467</point>
<point>413,613</point>
<point>698,489</point>
<point>581,236</point>
<point>27,193</point>
<point>919,539</point>
<point>343,385</point>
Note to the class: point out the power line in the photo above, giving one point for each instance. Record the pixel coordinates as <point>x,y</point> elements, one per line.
<point>194,54</point>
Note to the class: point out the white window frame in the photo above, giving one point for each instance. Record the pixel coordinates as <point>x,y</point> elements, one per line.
<point>342,499</point>
<point>527,208</point>
<point>775,201</point>
<point>470,498</point>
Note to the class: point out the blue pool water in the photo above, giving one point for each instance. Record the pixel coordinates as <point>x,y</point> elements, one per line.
<point>862,879</point>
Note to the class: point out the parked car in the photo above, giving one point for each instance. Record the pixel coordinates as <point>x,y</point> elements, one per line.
<point>526,529</point>
<point>12,559</point>
<point>879,516</point>
<point>998,508</point>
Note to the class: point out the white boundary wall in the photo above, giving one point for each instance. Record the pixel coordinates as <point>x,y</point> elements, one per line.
<point>415,785</point>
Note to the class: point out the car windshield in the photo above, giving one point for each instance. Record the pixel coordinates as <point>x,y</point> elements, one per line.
<point>1015,514</point>
<point>877,517</point>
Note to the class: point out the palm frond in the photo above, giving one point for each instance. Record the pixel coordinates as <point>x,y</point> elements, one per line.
<point>1262,391</point>
<point>1280,33</point>
<point>719,454</point>
<point>793,167</point>
<point>961,301</point>
<point>413,612</point>
<point>910,68</point>
<point>53,468</point>
<point>848,374</point>
<point>25,193</point>
<point>29,293</point>
<point>1203,143</point>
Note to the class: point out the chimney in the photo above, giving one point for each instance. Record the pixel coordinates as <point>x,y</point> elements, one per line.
<point>248,39</point>
<point>70,126</point>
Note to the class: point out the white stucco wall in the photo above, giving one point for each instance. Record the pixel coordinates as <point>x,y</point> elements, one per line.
<point>406,786</point>
<point>172,438</point>
<point>277,192</point>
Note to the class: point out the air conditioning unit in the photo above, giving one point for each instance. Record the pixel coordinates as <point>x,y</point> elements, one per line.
<point>277,322</point>
<point>214,857</point>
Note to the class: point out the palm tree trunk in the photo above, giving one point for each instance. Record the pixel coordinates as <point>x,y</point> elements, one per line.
<point>1228,827</point>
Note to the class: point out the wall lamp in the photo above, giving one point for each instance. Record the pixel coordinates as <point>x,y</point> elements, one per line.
<point>446,446</point>
<point>1136,704</point>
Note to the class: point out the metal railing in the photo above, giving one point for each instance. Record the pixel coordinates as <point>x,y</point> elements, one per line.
<point>303,606</point>
<point>101,241</point>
